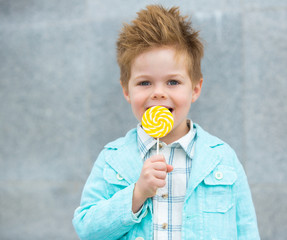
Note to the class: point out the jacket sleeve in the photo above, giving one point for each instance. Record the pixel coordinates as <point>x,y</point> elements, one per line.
<point>101,216</point>
<point>245,212</point>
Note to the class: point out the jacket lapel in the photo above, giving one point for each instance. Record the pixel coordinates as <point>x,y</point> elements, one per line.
<point>126,160</point>
<point>125,157</point>
<point>205,159</point>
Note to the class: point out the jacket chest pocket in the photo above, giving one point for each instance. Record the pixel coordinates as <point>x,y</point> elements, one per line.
<point>219,211</point>
<point>115,182</point>
<point>218,186</point>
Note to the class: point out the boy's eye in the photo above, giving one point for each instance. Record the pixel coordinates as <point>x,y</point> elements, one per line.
<point>144,83</point>
<point>172,82</point>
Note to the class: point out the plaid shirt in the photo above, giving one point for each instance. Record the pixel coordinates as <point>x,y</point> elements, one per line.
<point>168,202</point>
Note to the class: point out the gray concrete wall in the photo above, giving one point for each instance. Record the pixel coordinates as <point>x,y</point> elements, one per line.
<point>61,102</point>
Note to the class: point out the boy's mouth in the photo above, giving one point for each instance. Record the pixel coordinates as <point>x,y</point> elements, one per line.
<point>169,108</point>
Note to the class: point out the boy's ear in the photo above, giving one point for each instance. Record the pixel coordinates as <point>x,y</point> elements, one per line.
<point>197,90</point>
<point>126,93</point>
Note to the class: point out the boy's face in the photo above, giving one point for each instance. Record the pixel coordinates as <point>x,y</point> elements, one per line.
<point>157,78</point>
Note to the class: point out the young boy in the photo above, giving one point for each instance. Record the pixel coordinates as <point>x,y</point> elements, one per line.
<point>195,188</point>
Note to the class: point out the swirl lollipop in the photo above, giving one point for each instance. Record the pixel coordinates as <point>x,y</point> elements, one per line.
<point>157,122</point>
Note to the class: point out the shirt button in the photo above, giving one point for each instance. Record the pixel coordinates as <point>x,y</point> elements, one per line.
<point>139,238</point>
<point>218,175</point>
<point>164,226</point>
<point>164,196</point>
<point>119,177</point>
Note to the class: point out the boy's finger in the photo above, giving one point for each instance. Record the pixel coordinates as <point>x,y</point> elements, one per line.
<point>161,166</point>
<point>160,174</point>
<point>157,158</point>
<point>169,168</point>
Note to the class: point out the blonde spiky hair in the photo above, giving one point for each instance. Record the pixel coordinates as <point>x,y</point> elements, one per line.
<point>157,26</point>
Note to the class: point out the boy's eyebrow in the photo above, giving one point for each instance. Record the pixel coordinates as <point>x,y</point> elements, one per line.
<point>142,76</point>
<point>151,76</point>
<point>175,76</point>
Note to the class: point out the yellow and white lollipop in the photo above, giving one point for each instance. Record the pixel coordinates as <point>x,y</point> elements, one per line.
<point>157,122</point>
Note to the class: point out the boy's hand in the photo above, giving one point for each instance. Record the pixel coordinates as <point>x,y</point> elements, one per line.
<point>152,177</point>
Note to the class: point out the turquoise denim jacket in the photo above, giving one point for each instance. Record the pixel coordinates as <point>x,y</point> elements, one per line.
<point>218,203</point>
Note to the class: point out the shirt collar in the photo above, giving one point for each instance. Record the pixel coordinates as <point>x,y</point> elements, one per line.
<point>146,142</point>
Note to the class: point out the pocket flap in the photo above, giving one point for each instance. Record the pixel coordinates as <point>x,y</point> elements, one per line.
<point>112,177</point>
<point>222,175</point>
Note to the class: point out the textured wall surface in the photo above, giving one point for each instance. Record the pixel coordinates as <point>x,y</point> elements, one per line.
<point>61,102</point>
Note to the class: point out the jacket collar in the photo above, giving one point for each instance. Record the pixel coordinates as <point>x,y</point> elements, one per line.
<point>206,157</point>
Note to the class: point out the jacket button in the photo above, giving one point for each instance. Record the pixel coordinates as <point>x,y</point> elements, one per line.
<point>139,238</point>
<point>119,177</point>
<point>218,175</point>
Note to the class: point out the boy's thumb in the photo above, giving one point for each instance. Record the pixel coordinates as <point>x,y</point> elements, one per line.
<point>169,168</point>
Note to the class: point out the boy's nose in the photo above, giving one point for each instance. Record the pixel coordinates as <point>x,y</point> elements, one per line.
<point>158,94</point>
